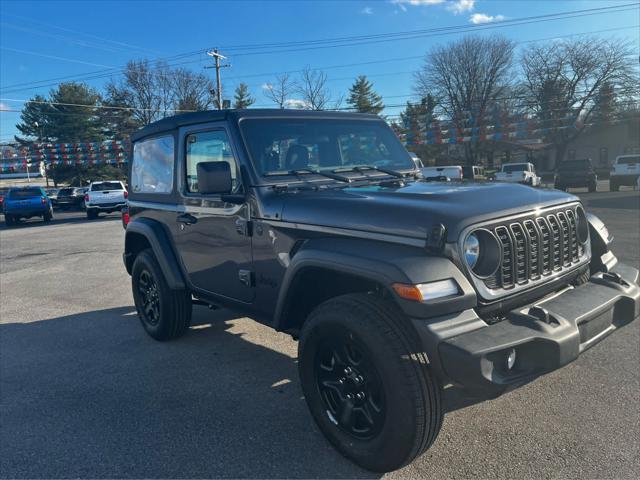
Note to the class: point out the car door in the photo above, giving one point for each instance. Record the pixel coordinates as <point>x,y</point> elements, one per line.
<point>213,236</point>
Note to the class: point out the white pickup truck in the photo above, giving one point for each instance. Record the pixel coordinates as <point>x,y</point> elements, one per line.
<point>453,172</point>
<point>625,171</point>
<point>108,196</point>
<point>518,173</point>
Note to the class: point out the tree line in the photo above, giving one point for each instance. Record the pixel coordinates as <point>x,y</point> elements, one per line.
<point>466,82</point>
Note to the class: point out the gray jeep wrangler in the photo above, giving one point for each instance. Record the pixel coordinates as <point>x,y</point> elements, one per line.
<point>318,224</point>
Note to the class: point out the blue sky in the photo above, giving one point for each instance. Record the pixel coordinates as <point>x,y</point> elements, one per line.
<point>41,40</point>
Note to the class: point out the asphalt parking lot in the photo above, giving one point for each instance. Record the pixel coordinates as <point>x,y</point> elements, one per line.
<point>84,392</point>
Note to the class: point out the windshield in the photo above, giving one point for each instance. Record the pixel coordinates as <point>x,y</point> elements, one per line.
<point>25,193</point>
<point>98,187</point>
<point>629,160</point>
<point>515,168</point>
<point>322,144</point>
<point>575,165</point>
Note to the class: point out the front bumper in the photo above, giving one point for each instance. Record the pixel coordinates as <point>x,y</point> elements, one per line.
<point>545,335</point>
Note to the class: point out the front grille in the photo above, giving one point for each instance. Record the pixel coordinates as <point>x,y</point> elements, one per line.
<point>535,247</point>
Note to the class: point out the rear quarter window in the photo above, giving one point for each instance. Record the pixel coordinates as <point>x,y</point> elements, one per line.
<point>153,165</point>
<point>629,160</point>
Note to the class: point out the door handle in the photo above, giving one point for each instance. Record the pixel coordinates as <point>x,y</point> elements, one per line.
<point>187,219</point>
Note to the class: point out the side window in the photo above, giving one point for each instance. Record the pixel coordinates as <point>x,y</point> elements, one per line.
<point>152,168</point>
<point>212,146</point>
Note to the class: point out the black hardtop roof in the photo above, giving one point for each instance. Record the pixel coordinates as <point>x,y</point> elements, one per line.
<point>176,121</point>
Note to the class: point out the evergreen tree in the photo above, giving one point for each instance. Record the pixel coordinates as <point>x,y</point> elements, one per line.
<point>119,122</point>
<point>417,117</point>
<point>34,121</point>
<point>68,115</point>
<point>243,98</point>
<point>362,97</point>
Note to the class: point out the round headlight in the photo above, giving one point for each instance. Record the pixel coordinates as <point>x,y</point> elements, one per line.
<point>482,253</point>
<point>471,250</point>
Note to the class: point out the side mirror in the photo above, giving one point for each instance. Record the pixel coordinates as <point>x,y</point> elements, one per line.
<point>214,177</point>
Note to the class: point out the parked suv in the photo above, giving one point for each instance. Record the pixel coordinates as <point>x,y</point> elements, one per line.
<point>625,171</point>
<point>318,224</point>
<point>576,173</point>
<point>70,197</point>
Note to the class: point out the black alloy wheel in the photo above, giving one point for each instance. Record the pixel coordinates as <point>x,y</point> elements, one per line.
<point>350,386</point>
<point>150,297</point>
<point>367,382</point>
<point>165,313</point>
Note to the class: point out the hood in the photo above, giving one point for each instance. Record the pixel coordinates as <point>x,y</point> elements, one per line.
<point>411,210</point>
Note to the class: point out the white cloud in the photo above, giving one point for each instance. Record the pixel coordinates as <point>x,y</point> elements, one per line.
<point>3,107</point>
<point>417,2</point>
<point>461,6</point>
<point>478,18</point>
<point>367,11</point>
<point>295,103</point>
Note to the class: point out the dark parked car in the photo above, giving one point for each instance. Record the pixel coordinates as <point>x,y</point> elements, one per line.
<point>318,224</point>
<point>26,202</point>
<point>576,174</point>
<point>70,197</point>
<point>52,193</point>
<point>475,172</point>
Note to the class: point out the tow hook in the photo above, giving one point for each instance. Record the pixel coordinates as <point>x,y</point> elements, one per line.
<point>615,278</point>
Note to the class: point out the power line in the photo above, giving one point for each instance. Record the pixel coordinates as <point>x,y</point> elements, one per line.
<point>423,33</point>
<point>617,90</point>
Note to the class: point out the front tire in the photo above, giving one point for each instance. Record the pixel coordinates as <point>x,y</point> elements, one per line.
<point>165,313</point>
<point>46,218</point>
<point>367,383</point>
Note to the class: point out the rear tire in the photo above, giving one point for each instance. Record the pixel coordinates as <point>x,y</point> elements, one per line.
<point>613,187</point>
<point>398,413</point>
<point>165,313</point>
<point>9,221</point>
<point>91,214</point>
<point>46,218</point>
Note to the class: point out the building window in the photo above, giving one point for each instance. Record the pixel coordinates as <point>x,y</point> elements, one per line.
<point>604,156</point>
<point>572,154</point>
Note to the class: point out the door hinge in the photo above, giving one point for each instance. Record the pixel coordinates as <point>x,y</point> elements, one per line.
<point>246,277</point>
<point>244,227</point>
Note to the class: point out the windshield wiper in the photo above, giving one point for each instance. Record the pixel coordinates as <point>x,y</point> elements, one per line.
<point>363,168</point>
<point>300,171</point>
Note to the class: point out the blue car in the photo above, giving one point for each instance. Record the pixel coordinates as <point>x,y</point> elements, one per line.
<point>26,202</point>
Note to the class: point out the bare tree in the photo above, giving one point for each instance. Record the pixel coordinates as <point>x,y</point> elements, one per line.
<point>137,90</point>
<point>192,91</point>
<point>467,77</point>
<point>280,90</point>
<point>563,81</point>
<point>313,89</point>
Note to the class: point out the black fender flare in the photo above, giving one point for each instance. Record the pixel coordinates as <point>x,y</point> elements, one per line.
<point>162,248</point>
<point>382,263</point>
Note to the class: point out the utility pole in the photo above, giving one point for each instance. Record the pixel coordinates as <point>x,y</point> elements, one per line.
<point>217,57</point>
